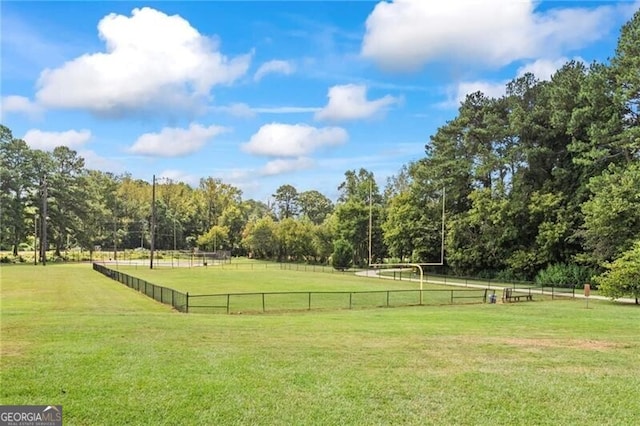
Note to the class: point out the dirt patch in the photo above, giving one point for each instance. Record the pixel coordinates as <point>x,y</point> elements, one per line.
<point>556,343</point>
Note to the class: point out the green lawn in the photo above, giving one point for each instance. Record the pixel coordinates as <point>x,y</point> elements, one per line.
<point>287,286</point>
<point>112,356</point>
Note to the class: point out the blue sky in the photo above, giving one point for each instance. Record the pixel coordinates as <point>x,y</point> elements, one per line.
<point>261,94</point>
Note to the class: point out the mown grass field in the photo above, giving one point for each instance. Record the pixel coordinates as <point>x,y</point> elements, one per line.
<point>272,287</point>
<point>112,356</point>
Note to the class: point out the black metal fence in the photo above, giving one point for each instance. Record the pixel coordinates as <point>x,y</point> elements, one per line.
<point>527,287</point>
<point>296,301</point>
<point>168,296</point>
<point>319,300</point>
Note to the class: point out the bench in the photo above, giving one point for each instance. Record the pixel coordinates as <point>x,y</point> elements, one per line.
<point>509,296</point>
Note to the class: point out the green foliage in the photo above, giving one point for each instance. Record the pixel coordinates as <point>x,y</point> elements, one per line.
<point>565,275</point>
<point>215,239</point>
<point>286,199</point>
<point>260,239</point>
<point>623,275</point>
<point>342,256</point>
<point>314,206</point>
<point>612,214</point>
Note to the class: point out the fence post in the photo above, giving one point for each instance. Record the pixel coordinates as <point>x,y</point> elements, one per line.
<point>309,300</point>
<point>350,299</point>
<point>484,299</point>
<point>187,304</point>
<point>263,302</point>
<point>387,298</point>
<point>452,297</point>
<point>228,301</point>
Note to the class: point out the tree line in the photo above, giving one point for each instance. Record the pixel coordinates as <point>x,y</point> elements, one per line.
<point>542,181</point>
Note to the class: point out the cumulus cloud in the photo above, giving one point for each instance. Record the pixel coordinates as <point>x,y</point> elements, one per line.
<point>543,69</point>
<point>150,59</point>
<point>490,89</point>
<point>406,34</point>
<point>94,161</point>
<point>282,165</point>
<point>178,176</point>
<point>274,67</point>
<point>20,104</point>
<point>47,141</point>
<point>293,140</point>
<point>349,102</point>
<point>175,142</point>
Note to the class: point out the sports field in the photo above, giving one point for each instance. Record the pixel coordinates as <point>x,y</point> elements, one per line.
<point>255,287</point>
<point>110,355</point>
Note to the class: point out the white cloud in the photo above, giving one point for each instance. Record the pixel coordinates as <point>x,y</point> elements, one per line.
<point>543,69</point>
<point>245,111</point>
<point>490,89</point>
<point>20,104</point>
<point>293,140</point>
<point>285,110</point>
<point>349,102</point>
<point>406,34</point>
<point>281,165</point>
<point>179,176</point>
<point>94,161</point>
<point>175,142</point>
<point>151,60</point>
<point>274,67</point>
<point>238,109</point>
<point>38,139</point>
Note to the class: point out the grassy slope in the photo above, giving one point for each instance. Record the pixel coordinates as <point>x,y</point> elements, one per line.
<point>110,355</point>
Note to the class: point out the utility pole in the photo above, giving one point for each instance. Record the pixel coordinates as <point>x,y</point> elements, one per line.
<point>43,223</point>
<point>35,238</point>
<point>115,243</point>
<point>370,221</point>
<point>444,198</point>
<point>153,221</point>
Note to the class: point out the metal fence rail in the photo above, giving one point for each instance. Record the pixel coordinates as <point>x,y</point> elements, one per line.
<point>263,302</point>
<point>317,300</point>
<point>168,296</point>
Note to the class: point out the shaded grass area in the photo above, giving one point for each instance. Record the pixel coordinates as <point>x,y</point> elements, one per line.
<point>110,355</point>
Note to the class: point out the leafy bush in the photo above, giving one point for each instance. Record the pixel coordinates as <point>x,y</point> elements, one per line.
<point>622,277</point>
<point>565,275</point>
<point>342,256</point>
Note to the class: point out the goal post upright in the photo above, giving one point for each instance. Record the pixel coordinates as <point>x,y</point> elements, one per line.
<point>415,265</point>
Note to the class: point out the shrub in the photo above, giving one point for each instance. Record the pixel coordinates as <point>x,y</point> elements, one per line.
<point>342,256</point>
<point>565,275</point>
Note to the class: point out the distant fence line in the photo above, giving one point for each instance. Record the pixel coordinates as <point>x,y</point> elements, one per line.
<point>295,301</point>
<point>492,284</point>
